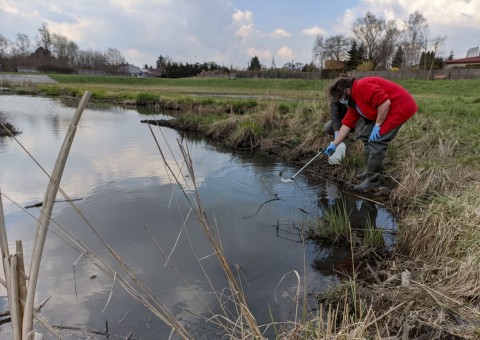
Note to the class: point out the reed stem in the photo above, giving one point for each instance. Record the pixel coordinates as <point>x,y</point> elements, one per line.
<point>44,220</point>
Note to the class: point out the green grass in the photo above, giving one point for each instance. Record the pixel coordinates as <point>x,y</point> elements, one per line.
<point>200,83</point>
<point>333,227</point>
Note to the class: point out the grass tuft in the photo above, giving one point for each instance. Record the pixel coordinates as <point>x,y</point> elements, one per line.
<point>333,227</point>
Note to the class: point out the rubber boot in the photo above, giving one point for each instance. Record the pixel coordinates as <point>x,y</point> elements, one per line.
<point>362,176</point>
<point>372,178</point>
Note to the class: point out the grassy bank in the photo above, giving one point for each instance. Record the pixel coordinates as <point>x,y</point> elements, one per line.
<point>105,86</point>
<point>430,284</point>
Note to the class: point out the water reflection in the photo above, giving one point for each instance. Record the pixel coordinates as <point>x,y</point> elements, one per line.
<point>116,169</point>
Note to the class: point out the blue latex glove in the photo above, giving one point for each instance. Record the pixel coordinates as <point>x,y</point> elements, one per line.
<point>330,149</point>
<point>335,134</point>
<point>375,133</point>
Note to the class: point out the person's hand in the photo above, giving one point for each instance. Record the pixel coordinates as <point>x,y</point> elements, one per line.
<point>375,133</point>
<point>329,150</point>
<point>335,134</point>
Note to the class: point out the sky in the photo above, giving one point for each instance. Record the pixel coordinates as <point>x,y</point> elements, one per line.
<point>228,32</point>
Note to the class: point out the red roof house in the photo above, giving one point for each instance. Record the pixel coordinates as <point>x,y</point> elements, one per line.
<point>464,62</point>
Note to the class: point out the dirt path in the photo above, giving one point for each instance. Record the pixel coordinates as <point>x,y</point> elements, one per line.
<point>27,78</point>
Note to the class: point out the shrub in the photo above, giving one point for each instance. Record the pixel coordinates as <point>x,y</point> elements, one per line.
<point>145,98</point>
<point>283,109</point>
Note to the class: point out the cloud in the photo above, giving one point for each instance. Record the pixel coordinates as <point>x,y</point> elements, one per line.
<point>261,54</point>
<point>280,33</point>
<point>9,9</point>
<point>242,17</point>
<point>244,31</point>
<point>314,31</point>
<point>243,21</point>
<point>286,53</point>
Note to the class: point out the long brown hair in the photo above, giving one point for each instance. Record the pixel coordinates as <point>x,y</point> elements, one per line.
<point>342,83</point>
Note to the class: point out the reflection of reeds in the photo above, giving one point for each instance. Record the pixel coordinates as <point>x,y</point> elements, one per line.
<point>139,290</point>
<point>237,296</point>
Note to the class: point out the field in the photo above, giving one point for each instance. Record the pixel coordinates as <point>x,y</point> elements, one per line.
<point>433,168</point>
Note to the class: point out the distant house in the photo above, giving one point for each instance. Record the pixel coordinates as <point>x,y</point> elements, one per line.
<point>334,65</point>
<point>464,62</point>
<point>27,69</point>
<point>150,72</point>
<point>472,60</point>
<point>131,70</point>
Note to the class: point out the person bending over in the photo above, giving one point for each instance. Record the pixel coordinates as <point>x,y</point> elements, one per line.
<point>384,106</point>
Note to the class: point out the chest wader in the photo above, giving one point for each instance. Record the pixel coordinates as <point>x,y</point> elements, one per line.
<point>374,153</point>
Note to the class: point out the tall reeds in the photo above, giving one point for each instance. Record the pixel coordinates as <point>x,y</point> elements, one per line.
<point>238,298</point>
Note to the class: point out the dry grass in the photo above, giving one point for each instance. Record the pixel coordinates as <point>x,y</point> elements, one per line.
<point>443,228</point>
<point>224,128</point>
<point>269,118</point>
<point>332,322</point>
<point>410,299</point>
<point>421,181</point>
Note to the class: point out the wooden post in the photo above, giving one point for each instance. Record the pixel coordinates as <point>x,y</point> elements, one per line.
<point>45,214</point>
<point>22,280</point>
<point>14,306</point>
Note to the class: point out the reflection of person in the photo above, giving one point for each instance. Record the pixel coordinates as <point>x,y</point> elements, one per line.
<point>337,112</point>
<point>384,106</point>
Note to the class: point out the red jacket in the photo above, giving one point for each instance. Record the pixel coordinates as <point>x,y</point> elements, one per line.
<point>369,92</point>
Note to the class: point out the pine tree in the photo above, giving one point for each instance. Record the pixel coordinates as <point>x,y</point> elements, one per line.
<point>254,64</point>
<point>398,58</point>
<point>450,56</point>
<point>352,56</point>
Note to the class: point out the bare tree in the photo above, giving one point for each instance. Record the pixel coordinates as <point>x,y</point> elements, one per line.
<point>64,49</point>
<point>317,51</point>
<point>72,52</point>
<point>369,31</point>
<point>385,50</point>
<point>416,37</point>
<point>59,47</point>
<point>162,63</point>
<point>336,47</point>
<point>437,44</point>
<point>4,42</point>
<point>22,45</point>
<point>90,59</point>
<point>114,57</point>
<point>44,38</point>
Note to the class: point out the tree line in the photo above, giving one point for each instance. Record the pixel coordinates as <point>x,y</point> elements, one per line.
<point>375,44</point>
<point>52,52</point>
<point>378,44</point>
<point>167,68</point>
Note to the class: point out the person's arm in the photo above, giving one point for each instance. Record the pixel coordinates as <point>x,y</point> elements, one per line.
<point>381,116</point>
<point>382,112</point>
<point>342,133</point>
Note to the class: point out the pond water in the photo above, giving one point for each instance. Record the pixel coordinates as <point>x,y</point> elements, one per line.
<point>119,182</point>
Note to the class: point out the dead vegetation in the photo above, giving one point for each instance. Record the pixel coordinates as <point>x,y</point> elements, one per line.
<point>428,288</point>
<point>413,294</point>
<point>7,129</point>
